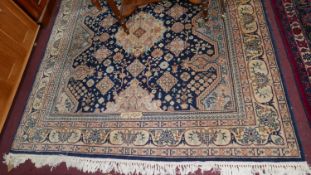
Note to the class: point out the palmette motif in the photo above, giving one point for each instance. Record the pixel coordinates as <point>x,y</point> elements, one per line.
<point>182,88</point>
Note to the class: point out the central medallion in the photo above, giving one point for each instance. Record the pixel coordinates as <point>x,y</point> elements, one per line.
<point>144,31</point>
<point>139,32</point>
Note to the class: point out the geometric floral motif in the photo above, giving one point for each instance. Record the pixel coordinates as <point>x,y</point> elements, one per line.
<point>178,27</point>
<point>102,54</point>
<point>136,68</point>
<point>108,21</point>
<point>104,85</point>
<point>177,46</point>
<point>198,63</point>
<point>177,11</point>
<point>142,101</point>
<point>167,81</point>
<point>139,32</point>
<point>144,31</point>
<point>81,72</point>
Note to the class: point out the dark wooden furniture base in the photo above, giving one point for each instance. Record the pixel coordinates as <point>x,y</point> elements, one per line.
<point>129,6</point>
<point>39,11</point>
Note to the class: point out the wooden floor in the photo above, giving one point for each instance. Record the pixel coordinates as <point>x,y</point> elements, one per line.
<point>17,36</point>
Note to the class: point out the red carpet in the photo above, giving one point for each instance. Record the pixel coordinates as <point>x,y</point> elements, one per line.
<point>293,18</point>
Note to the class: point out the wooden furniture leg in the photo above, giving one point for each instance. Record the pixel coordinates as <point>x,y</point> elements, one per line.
<point>205,6</point>
<point>223,6</point>
<point>115,10</point>
<point>96,4</point>
<point>128,6</point>
<point>118,14</point>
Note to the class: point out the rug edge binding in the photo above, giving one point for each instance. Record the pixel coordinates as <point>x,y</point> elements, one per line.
<point>92,165</point>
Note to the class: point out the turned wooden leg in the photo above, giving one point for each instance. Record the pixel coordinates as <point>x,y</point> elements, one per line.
<point>205,6</point>
<point>120,17</point>
<point>223,6</point>
<point>96,4</point>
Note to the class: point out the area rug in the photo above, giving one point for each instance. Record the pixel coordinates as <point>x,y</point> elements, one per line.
<point>295,20</point>
<point>175,95</point>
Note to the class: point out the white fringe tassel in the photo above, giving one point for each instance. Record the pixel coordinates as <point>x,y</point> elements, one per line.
<point>129,167</point>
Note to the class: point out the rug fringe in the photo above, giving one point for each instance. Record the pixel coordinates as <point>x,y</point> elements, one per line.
<point>127,167</point>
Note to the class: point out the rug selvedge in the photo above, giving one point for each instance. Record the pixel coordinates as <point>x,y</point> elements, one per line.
<point>195,93</point>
